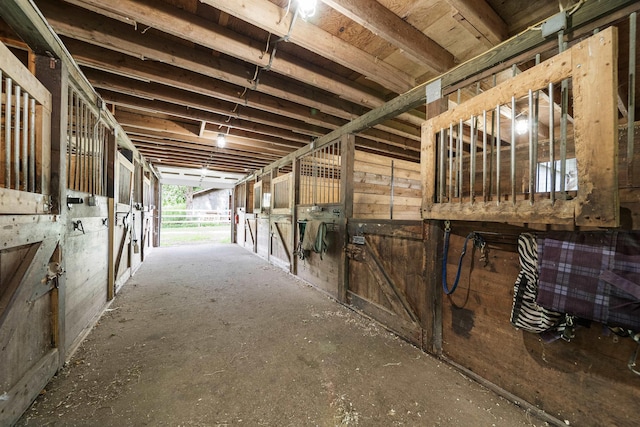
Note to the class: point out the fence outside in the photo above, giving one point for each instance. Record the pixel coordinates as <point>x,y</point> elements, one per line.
<point>182,218</point>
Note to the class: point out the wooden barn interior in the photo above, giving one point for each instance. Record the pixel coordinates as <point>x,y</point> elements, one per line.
<point>396,134</point>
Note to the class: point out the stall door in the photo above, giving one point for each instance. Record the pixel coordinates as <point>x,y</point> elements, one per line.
<point>385,274</point>
<point>31,260</point>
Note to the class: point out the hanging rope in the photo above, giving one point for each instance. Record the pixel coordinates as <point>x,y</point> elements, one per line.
<point>478,242</point>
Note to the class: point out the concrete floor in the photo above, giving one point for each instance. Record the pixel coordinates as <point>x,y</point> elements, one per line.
<point>211,335</point>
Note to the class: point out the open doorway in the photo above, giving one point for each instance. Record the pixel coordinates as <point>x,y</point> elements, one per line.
<point>192,215</point>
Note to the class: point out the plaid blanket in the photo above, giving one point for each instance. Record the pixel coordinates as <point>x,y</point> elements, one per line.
<point>592,275</point>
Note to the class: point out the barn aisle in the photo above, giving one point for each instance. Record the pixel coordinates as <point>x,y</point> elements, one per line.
<point>210,335</point>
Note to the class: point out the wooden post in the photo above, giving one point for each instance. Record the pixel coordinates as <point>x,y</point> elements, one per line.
<point>293,199</point>
<point>347,154</point>
<point>432,259</point>
<point>53,75</point>
<point>112,183</point>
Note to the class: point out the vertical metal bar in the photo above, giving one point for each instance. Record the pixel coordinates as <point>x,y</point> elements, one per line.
<point>460,158</point>
<point>472,160</point>
<point>32,146</point>
<point>532,163</point>
<point>450,161</point>
<point>493,143</point>
<point>25,141</point>
<point>484,156</point>
<point>512,164</point>
<point>78,138</point>
<point>552,148</point>
<point>498,144</point>
<point>79,151</point>
<point>441,167</point>
<point>564,105</point>
<point>632,96</point>
<point>91,151</point>
<point>16,138</point>
<point>70,125</point>
<point>7,130</point>
<point>392,188</point>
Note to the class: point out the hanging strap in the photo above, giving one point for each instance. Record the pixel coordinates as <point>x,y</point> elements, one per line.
<point>478,242</point>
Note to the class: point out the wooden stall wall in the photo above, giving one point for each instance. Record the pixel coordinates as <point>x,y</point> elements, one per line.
<point>386,188</point>
<point>86,266</point>
<point>585,381</point>
<point>569,380</point>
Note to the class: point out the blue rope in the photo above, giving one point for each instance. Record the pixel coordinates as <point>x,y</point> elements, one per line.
<point>477,241</point>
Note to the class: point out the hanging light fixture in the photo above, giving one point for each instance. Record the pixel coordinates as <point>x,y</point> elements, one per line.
<point>222,140</point>
<point>306,8</point>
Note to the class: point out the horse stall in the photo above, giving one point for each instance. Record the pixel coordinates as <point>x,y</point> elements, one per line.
<point>501,193</point>
<point>385,248</point>
<point>58,203</point>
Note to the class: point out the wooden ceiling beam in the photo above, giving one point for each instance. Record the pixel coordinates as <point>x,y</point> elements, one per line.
<point>481,20</point>
<point>239,126</point>
<point>262,14</point>
<point>130,119</point>
<point>122,38</point>
<point>123,65</point>
<point>177,143</point>
<point>268,16</point>
<point>117,63</point>
<point>150,147</point>
<point>308,124</point>
<point>159,92</point>
<point>386,24</point>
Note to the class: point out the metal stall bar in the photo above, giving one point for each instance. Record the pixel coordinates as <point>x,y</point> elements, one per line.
<point>32,145</point>
<point>441,167</point>
<point>532,164</point>
<point>632,96</point>
<point>25,141</point>
<point>564,103</point>
<point>484,156</point>
<point>498,144</point>
<point>7,140</point>
<point>552,145</point>
<point>535,125</point>
<point>460,158</point>
<point>450,161</point>
<point>16,137</point>
<point>472,160</point>
<point>512,149</point>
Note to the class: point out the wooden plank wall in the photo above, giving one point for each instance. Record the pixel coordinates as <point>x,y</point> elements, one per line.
<point>385,188</point>
<point>569,380</point>
<point>86,255</point>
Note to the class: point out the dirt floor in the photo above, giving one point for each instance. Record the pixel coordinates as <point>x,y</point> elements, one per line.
<point>211,335</point>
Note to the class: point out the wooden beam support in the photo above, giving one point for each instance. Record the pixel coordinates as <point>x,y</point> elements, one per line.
<point>256,130</point>
<point>386,24</point>
<point>262,14</point>
<point>481,20</point>
<point>268,16</point>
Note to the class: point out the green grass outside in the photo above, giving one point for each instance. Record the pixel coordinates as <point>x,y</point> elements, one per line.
<point>195,235</point>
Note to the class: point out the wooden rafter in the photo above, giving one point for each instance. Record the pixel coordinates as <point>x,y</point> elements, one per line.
<point>386,24</point>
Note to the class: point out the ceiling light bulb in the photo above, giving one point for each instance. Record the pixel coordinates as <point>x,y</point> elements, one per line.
<point>522,126</point>
<point>306,8</point>
<point>222,140</point>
